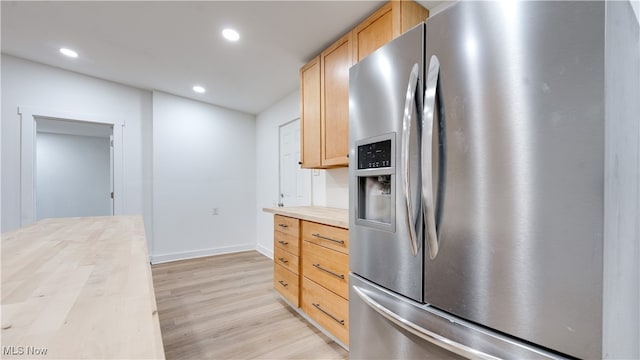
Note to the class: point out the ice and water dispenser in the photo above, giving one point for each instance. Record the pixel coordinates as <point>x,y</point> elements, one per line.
<point>376,182</point>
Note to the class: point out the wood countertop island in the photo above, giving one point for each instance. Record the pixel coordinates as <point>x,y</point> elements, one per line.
<point>79,288</point>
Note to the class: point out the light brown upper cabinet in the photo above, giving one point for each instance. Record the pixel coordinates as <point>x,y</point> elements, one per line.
<point>310,108</point>
<point>335,62</point>
<point>387,23</point>
<point>324,82</point>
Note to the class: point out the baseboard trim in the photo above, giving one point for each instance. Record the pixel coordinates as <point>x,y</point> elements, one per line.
<point>265,251</point>
<point>163,258</point>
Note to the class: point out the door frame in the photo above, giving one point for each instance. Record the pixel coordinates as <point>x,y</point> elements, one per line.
<point>28,117</point>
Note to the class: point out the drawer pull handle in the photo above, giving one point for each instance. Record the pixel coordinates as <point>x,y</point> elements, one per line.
<point>283,242</point>
<point>317,306</point>
<point>283,225</point>
<point>283,283</point>
<point>285,261</point>
<point>340,276</point>
<point>328,238</point>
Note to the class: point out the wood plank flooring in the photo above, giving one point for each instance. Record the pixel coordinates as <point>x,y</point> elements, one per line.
<point>224,307</point>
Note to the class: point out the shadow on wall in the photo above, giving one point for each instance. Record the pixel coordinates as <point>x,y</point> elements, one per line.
<point>331,188</point>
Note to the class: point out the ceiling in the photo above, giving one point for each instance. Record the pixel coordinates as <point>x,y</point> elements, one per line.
<point>173,45</point>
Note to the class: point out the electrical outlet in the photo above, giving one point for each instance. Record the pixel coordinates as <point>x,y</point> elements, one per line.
<point>214,211</point>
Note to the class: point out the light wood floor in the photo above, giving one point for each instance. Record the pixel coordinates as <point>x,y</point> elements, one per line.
<point>224,307</point>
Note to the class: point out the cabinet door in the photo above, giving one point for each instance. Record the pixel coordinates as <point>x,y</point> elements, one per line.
<point>387,23</point>
<point>334,99</point>
<point>310,114</point>
<point>374,32</point>
<point>407,14</point>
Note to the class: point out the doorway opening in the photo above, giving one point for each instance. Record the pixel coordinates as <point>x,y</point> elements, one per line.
<point>28,135</point>
<point>74,168</point>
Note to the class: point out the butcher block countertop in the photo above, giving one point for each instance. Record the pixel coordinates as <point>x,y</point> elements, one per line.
<point>319,214</point>
<point>79,288</point>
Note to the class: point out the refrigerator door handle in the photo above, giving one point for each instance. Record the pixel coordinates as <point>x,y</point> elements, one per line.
<point>421,332</point>
<point>427,141</point>
<point>406,132</point>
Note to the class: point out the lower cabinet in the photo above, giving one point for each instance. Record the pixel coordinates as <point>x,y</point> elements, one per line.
<point>311,268</point>
<point>286,251</point>
<point>286,283</point>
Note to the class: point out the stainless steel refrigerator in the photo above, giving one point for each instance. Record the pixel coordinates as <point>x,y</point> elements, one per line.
<point>476,185</point>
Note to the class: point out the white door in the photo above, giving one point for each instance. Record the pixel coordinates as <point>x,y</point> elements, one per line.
<point>295,182</point>
<point>111,174</point>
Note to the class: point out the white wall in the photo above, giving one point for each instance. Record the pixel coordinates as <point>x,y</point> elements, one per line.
<point>267,124</point>
<point>203,158</point>
<point>28,84</point>
<point>621,302</point>
<point>229,135</point>
<point>635,5</point>
<point>329,187</point>
<point>2,149</point>
<point>72,176</point>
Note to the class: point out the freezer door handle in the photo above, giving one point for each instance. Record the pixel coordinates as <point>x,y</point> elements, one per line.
<point>406,132</point>
<point>421,332</point>
<point>428,206</point>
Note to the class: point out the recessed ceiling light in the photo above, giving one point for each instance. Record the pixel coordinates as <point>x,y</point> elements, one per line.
<point>69,52</point>
<point>199,89</point>
<point>230,34</point>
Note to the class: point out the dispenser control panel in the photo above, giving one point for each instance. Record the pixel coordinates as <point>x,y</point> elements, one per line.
<point>374,155</point>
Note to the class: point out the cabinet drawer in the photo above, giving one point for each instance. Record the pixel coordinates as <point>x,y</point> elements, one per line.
<point>326,267</point>
<point>286,225</point>
<point>286,242</point>
<point>328,236</point>
<point>286,259</point>
<point>286,283</point>
<point>327,309</point>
